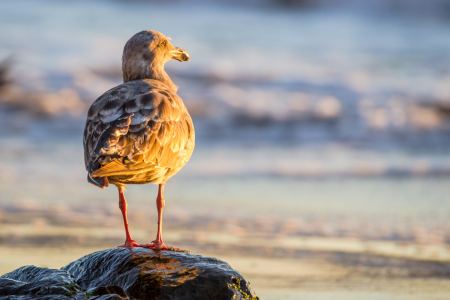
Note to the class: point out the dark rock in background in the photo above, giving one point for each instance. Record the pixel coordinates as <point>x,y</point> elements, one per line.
<point>139,273</point>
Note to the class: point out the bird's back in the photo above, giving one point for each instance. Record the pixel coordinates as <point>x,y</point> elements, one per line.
<point>137,132</point>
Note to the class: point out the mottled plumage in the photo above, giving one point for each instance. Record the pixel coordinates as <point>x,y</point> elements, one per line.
<point>140,131</point>
<point>137,132</point>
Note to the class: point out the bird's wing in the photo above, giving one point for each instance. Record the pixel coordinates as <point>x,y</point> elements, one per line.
<point>136,128</point>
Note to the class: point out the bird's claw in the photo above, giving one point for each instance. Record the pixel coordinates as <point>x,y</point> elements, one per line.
<point>161,246</point>
<point>129,244</point>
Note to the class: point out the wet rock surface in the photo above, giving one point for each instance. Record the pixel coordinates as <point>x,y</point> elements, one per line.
<point>40,283</point>
<point>138,273</point>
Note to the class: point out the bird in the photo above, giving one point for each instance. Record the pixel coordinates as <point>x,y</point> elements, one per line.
<point>140,131</point>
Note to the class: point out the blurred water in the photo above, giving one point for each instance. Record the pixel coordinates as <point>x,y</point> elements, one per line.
<point>296,112</point>
<point>308,76</point>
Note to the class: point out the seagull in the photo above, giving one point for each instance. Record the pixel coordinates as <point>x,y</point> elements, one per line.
<point>140,131</point>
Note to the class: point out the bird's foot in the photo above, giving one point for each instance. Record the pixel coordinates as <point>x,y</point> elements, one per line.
<point>161,246</point>
<point>129,244</point>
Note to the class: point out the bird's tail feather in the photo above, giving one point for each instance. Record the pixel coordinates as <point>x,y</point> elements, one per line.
<point>117,168</point>
<point>101,182</point>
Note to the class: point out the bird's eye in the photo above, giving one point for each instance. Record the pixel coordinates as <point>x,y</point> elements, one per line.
<point>163,43</point>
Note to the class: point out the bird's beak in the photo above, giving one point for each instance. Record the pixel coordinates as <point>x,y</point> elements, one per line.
<point>179,54</point>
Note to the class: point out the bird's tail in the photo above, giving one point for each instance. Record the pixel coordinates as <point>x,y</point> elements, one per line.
<point>101,182</point>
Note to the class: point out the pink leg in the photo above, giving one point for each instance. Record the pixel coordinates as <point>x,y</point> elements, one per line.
<point>129,242</point>
<point>160,203</point>
<point>158,243</point>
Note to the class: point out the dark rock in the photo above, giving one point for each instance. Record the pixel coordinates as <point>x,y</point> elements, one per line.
<point>108,297</point>
<point>148,274</point>
<point>139,273</point>
<point>52,297</point>
<point>5,67</point>
<point>59,290</point>
<point>34,281</point>
<point>81,296</point>
<point>106,290</point>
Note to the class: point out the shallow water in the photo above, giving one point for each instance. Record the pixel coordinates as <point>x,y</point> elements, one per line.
<point>231,182</point>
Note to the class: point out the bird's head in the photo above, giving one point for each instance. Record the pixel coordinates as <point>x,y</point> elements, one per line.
<point>145,54</point>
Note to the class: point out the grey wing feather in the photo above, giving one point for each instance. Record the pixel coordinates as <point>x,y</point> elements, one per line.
<point>140,123</point>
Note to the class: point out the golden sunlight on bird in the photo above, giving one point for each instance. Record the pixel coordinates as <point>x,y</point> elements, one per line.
<point>140,131</point>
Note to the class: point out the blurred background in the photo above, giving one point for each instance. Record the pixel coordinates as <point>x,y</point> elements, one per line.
<point>321,168</point>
